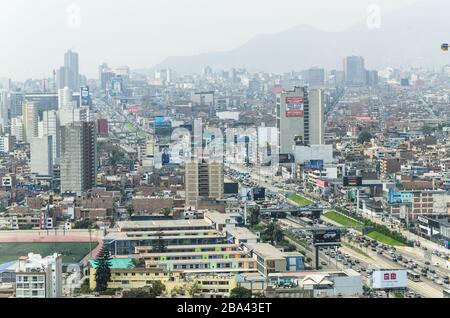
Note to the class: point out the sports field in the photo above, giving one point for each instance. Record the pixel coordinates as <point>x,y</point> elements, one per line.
<point>72,252</point>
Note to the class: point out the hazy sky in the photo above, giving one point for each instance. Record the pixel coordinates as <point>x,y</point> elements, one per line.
<point>140,33</point>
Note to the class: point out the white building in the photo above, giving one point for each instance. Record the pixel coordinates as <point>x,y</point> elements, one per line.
<point>300,118</point>
<point>6,143</point>
<point>41,158</point>
<point>51,127</point>
<point>17,129</point>
<point>313,152</point>
<point>38,277</point>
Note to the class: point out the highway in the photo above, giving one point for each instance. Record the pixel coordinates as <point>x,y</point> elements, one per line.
<point>426,287</point>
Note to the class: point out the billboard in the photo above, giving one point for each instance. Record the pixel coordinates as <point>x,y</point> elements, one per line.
<point>231,188</point>
<point>389,279</point>
<point>85,96</point>
<point>162,121</point>
<point>259,194</point>
<point>352,181</point>
<point>327,238</point>
<point>295,107</point>
<point>313,165</point>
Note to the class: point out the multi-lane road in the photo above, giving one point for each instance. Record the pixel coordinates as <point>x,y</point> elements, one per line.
<point>427,288</point>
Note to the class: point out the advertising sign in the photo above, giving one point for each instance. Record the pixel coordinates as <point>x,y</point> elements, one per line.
<point>161,121</point>
<point>389,279</point>
<point>295,107</point>
<point>352,181</point>
<point>259,194</point>
<point>313,165</point>
<point>85,96</point>
<point>327,238</point>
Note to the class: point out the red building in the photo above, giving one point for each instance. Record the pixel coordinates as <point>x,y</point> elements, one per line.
<point>102,127</point>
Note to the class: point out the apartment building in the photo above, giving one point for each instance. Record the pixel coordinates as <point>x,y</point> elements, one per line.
<point>38,277</point>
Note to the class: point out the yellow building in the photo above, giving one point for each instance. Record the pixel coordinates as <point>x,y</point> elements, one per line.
<point>125,276</point>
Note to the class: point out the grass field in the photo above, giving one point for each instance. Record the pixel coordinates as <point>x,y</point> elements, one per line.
<point>300,200</point>
<point>384,239</point>
<point>342,219</point>
<point>72,252</point>
<point>346,221</point>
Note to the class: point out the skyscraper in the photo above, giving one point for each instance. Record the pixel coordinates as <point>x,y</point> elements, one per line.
<point>4,110</point>
<point>204,180</point>
<point>300,118</point>
<point>51,127</point>
<point>78,157</point>
<point>72,69</point>
<point>355,72</point>
<point>16,103</point>
<point>41,157</point>
<point>30,121</point>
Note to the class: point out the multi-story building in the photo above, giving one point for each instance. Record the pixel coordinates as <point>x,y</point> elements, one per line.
<point>7,143</point>
<point>203,181</point>
<point>300,118</point>
<point>41,155</point>
<point>30,121</point>
<point>51,127</point>
<point>38,277</point>
<point>355,72</point>
<point>78,157</point>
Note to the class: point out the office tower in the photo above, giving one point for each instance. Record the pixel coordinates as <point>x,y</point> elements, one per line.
<point>51,127</point>
<point>16,103</point>
<point>41,155</point>
<point>38,277</point>
<point>316,117</point>
<point>372,78</point>
<point>72,69</point>
<point>203,181</point>
<point>299,118</point>
<point>78,157</point>
<point>30,121</point>
<point>316,77</point>
<point>17,129</point>
<point>355,72</point>
<point>61,77</point>
<point>4,110</point>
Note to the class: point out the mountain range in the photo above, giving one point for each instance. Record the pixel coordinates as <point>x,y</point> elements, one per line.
<point>408,37</point>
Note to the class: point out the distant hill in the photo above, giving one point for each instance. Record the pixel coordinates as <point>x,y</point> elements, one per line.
<point>407,37</point>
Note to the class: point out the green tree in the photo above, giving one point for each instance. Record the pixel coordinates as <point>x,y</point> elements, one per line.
<point>241,292</point>
<point>274,233</point>
<point>193,289</point>
<point>364,137</point>
<point>166,211</point>
<point>103,270</point>
<point>255,216</point>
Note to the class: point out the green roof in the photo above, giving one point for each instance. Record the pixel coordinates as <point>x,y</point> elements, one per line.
<point>116,263</point>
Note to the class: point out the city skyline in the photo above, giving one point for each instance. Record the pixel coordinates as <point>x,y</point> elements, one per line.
<point>94,37</point>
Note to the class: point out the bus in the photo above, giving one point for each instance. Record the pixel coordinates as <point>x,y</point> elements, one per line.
<point>413,276</point>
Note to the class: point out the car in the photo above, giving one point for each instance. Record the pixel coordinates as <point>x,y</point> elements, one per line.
<point>436,264</point>
<point>324,263</point>
<point>427,263</point>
